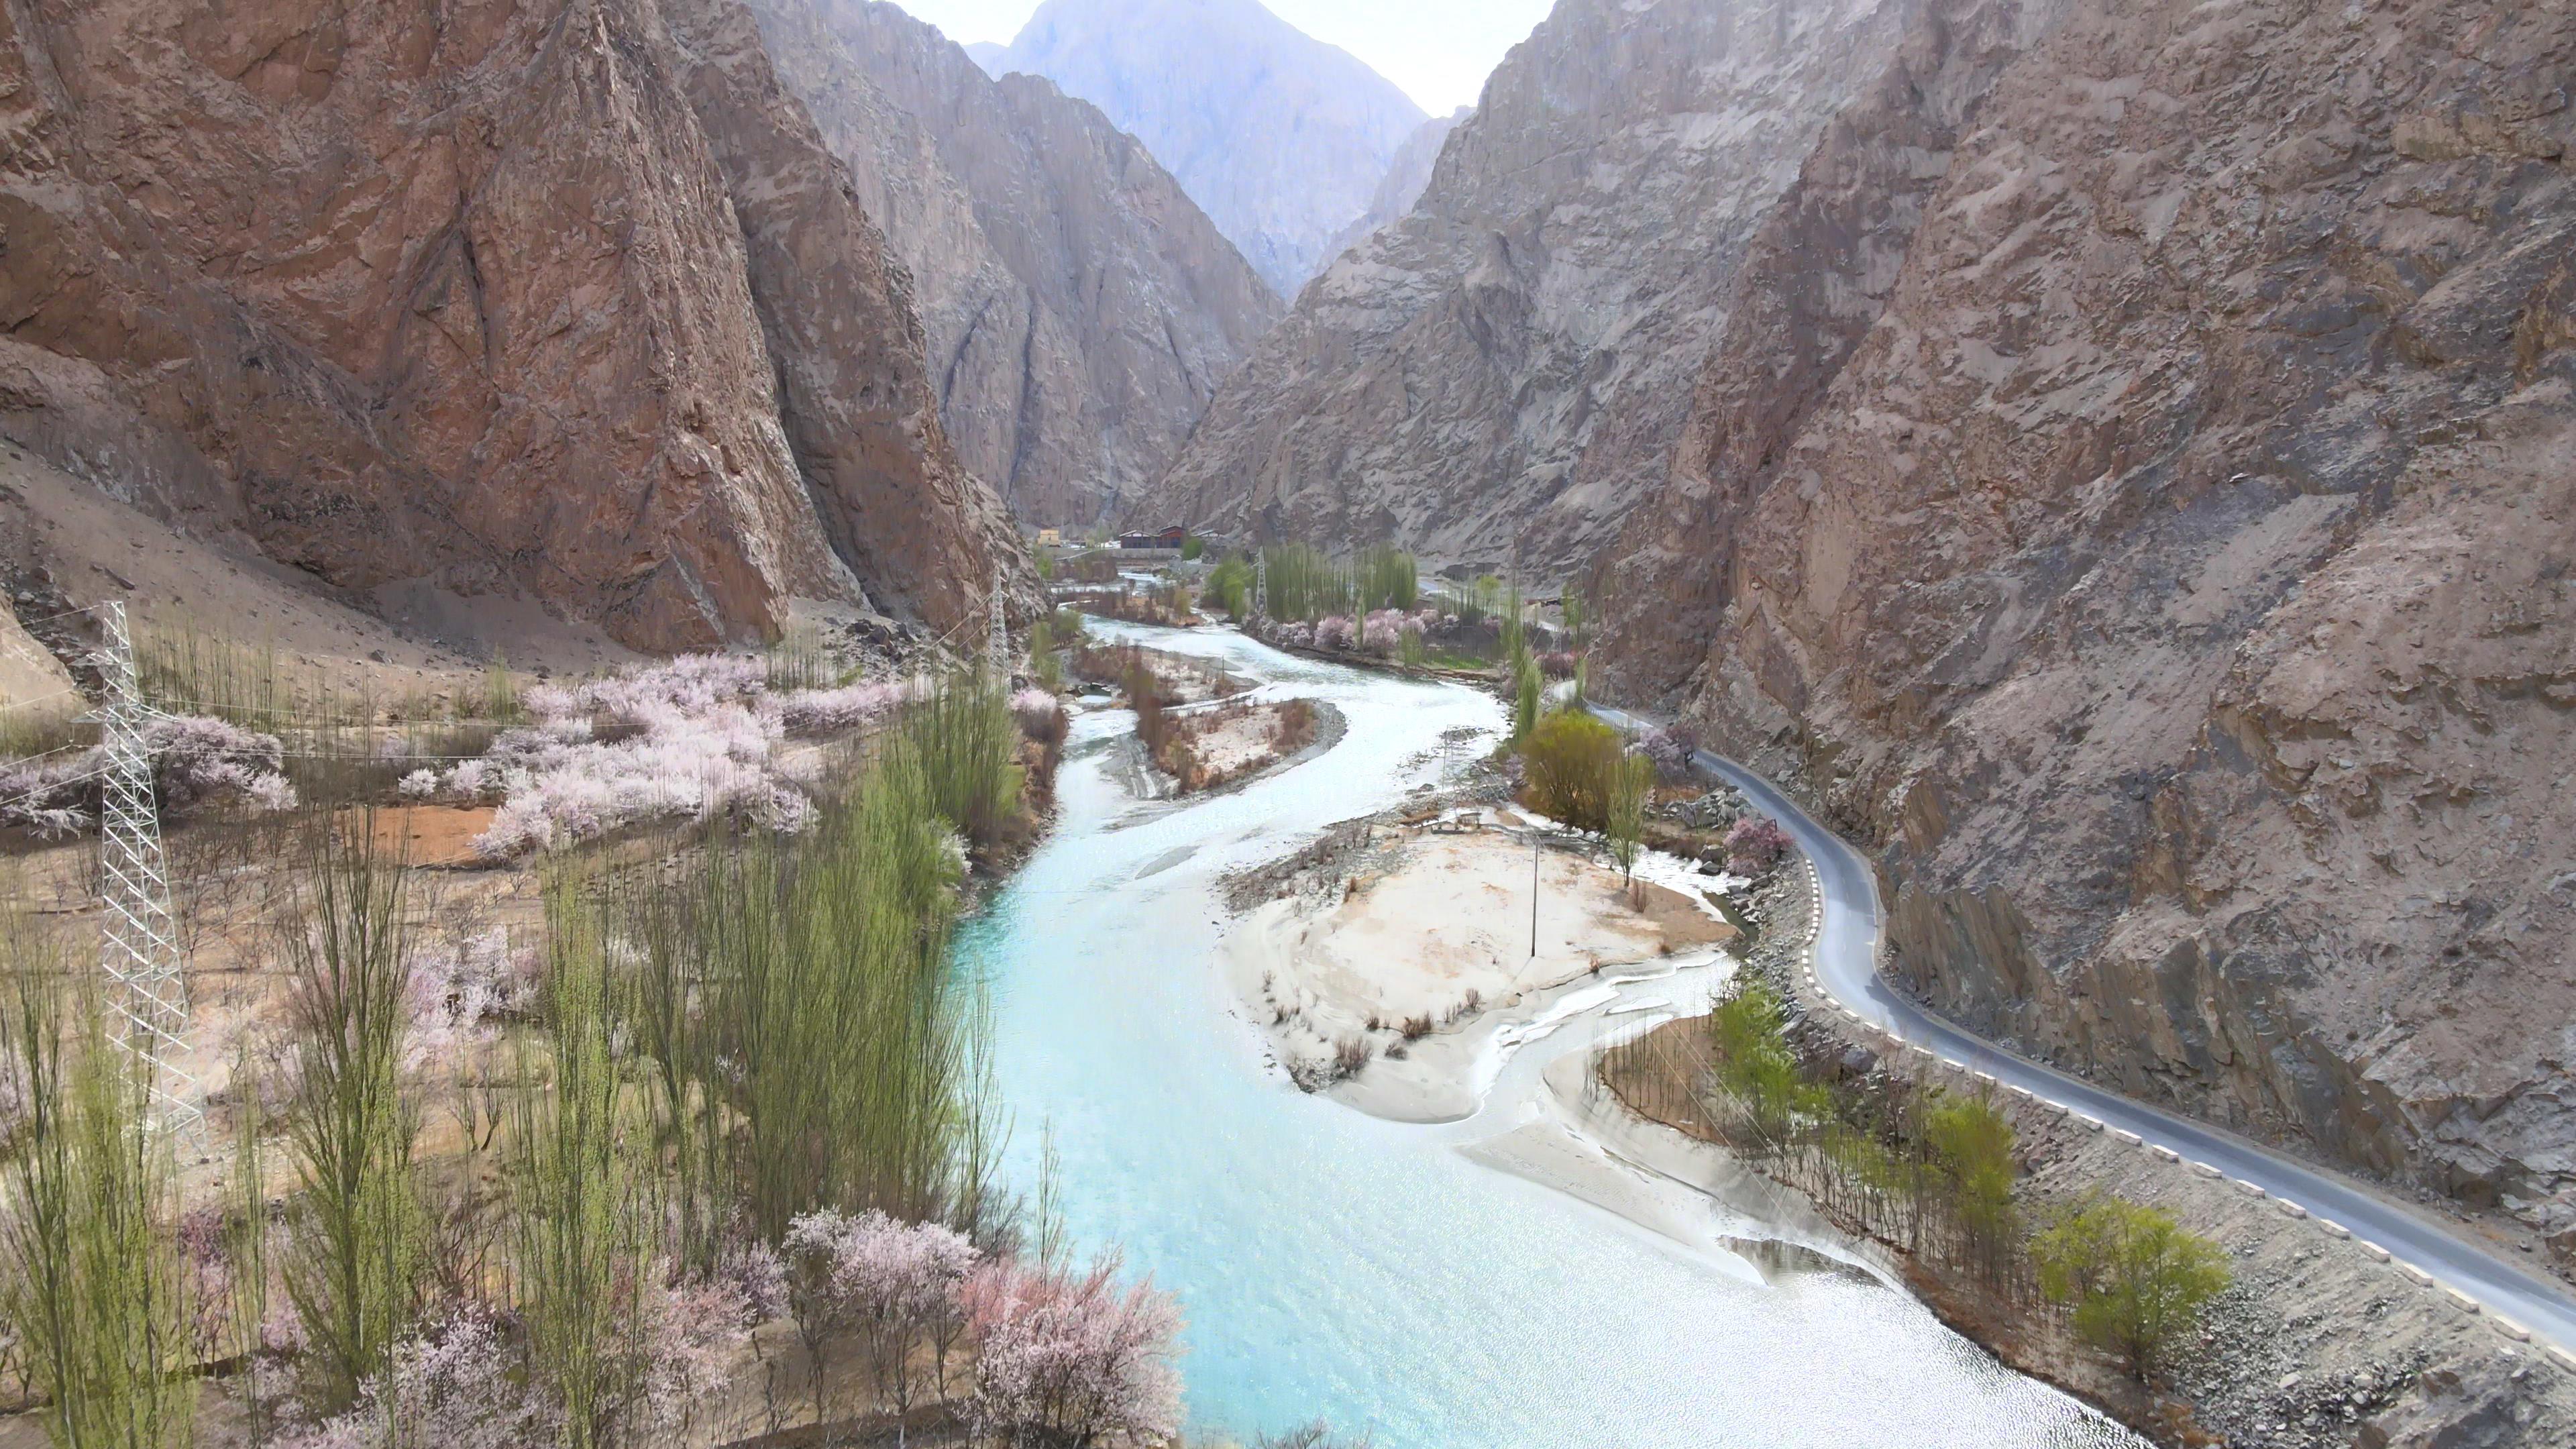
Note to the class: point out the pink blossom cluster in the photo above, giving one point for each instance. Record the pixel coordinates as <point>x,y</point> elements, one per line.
<point>870,1265</point>
<point>694,736</point>
<point>198,758</point>
<point>836,711</point>
<point>1380,631</point>
<point>460,986</point>
<point>1072,1358</point>
<point>686,1336</point>
<point>53,795</point>
<point>1755,845</point>
<point>1061,1357</point>
<point>1334,632</point>
<point>195,759</point>
<point>757,1277</point>
<point>563,785</point>
<point>691,684</point>
<point>1294,636</point>
<point>453,1388</point>
<point>1557,664</point>
<point>1040,713</point>
<point>896,1285</point>
<point>1670,749</point>
<point>467,1384</point>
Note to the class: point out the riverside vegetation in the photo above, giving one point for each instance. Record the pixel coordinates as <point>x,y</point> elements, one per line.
<point>1375,604</point>
<point>1930,1172</point>
<point>727,1168</point>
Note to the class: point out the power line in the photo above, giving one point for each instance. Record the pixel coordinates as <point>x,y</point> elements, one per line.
<point>117,605</point>
<point>39,699</point>
<point>28,761</point>
<point>41,791</point>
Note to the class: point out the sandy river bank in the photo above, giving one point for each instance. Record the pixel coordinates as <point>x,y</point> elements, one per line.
<point>1397,973</point>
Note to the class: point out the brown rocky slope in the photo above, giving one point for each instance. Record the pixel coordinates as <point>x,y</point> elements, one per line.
<point>564,300</point>
<point>1509,366</point>
<point>2136,491</point>
<point>1080,309</point>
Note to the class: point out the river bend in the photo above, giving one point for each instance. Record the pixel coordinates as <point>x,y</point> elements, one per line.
<point>1373,1273</point>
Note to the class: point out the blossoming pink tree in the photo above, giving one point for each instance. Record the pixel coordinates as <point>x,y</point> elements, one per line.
<point>696,736</point>
<point>1067,1360</point>
<point>1381,631</point>
<point>894,1284</point>
<point>464,1383</point>
<point>194,760</point>
<point>1755,845</point>
<point>455,1387</point>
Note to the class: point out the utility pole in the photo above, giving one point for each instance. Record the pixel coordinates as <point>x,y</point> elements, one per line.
<point>140,949</point>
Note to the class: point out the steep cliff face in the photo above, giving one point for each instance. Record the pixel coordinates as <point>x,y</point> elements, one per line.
<point>1407,176</point>
<point>1080,310</point>
<point>564,299</point>
<point>2137,491</point>
<point>1280,137</point>
<point>1511,364</point>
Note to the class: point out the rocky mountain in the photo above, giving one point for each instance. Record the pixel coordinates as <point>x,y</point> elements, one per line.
<point>1079,310</point>
<point>563,299</point>
<point>1280,137</point>
<point>2134,487</point>
<point>1509,366</point>
<point>1405,179</point>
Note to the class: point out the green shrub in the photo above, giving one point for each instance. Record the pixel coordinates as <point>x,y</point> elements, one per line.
<point>1191,547</point>
<point>1229,586</point>
<point>2137,1281</point>
<point>968,745</point>
<point>808,1032</point>
<point>89,1284</point>
<point>1046,665</point>
<point>1574,761</point>
<point>1755,1068</point>
<point>1972,1145</point>
<point>1386,579</point>
<point>1304,584</point>
<point>356,1253</point>
<point>501,689</point>
<point>1629,789</point>
<point>577,1193</point>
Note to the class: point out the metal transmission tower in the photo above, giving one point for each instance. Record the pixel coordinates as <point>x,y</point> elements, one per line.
<point>998,646</point>
<point>141,949</point>
<point>1260,583</point>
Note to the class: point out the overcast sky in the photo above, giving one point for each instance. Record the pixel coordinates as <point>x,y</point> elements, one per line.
<point>1438,51</point>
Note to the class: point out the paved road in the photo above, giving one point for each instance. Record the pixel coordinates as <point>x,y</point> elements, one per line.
<point>2516,1298</point>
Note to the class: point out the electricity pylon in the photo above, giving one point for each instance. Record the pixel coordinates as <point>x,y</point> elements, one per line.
<point>998,646</point>
<point>141,942</point>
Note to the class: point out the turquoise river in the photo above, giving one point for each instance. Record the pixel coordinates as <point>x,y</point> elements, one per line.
<point>1365,1272</point>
